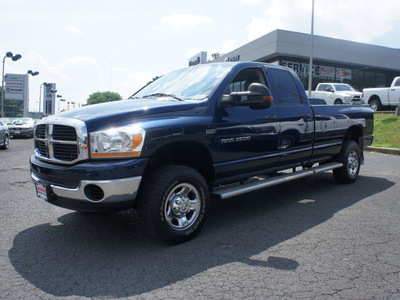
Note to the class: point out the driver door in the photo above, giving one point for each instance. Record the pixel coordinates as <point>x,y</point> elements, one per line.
<point>247,138</point>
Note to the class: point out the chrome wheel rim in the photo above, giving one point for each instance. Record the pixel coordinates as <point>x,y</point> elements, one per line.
<point>353,163</point>
<point>182,206</point>
<point>374,106</point>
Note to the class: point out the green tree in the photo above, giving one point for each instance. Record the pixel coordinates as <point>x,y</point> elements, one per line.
<point>100,97</point>
<point>215,56</point>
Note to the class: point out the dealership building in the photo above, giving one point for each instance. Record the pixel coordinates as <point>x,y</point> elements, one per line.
<point>334,60</point>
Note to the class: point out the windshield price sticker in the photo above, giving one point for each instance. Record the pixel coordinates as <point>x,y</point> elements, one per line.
<point>41,191</point>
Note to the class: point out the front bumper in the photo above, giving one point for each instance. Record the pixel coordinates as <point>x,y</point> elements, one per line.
<point>95,187</point>
<point>21,131</point>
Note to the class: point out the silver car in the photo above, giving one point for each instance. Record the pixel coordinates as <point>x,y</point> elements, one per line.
<point>4,136</point>
<point>22,127</point>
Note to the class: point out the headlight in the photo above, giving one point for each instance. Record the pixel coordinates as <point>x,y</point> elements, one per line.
<point>117,142</point>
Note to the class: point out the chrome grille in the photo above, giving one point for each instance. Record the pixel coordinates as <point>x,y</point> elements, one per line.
<point>61,140</point>
<point>41,131</point>
<point>64,133</point>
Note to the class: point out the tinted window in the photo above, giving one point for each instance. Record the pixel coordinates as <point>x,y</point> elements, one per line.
<point>322,87</point>
<point>286,88</point>
<point>242,81</point>
<point>397,82</point>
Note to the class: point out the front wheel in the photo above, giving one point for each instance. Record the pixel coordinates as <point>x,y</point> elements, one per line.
<point>350,157</point>
<point>173,203</point>
<point>6,142</point>
<point>338,102</point>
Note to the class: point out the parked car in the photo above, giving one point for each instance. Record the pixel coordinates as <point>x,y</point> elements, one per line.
<point>377,98</point>
<point>6,121</point>
<point>337,93</point>
<point>4,136</point>
<point>197,133</point>
<point>22,127</point>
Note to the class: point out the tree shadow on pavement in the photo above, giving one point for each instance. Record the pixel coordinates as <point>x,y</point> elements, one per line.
<point>108,256</point>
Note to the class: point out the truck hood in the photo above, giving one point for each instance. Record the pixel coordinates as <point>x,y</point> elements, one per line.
<point>117,111</point>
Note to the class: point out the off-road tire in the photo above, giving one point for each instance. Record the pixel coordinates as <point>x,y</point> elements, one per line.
<point>173,203</point>
<point>350,157</point>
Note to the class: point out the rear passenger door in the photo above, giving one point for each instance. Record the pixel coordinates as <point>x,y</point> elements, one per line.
<point>296,119</point>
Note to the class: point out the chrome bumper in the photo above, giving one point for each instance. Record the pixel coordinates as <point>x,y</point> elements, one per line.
<point>113,191</point>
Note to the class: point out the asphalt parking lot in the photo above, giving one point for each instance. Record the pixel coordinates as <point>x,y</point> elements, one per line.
<point>311,238</point>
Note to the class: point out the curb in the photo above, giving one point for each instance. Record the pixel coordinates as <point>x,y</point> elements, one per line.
<point>384,150</point>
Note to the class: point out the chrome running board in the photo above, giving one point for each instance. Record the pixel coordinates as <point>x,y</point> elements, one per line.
<point>236,190</point>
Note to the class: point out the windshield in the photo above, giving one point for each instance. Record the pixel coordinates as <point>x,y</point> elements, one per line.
<point>193,83</point>
<point>24,122</point>
<point>344,87</point>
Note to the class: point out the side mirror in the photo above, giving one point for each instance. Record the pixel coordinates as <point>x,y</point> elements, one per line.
<point>258,97</point>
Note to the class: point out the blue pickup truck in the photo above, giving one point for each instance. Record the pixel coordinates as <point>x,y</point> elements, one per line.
<point>211,131</point>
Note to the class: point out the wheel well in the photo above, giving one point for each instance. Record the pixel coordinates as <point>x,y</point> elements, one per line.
<point>338,101</point>
<point>374,97</point>
<point>191,154</point>
<point>354,133</point>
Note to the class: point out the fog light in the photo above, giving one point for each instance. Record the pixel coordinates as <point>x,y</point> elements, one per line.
<point>94,193</point>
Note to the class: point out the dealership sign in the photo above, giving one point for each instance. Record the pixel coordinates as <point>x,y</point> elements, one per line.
<point>322,72</point>
<point>199,58</point>
<point>16,93</point>
<point>15,86</point>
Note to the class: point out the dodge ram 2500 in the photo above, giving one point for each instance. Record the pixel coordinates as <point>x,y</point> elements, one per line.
<point>337,93</point>
<point>211,131</point>
<point>380,97</point>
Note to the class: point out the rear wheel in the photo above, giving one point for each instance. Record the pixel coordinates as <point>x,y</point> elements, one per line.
<point>351,160</point>
<point>375,104</point>
<point>173,203</point>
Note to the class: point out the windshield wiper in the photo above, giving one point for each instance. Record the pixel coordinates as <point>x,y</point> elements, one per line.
<point>156,95</point>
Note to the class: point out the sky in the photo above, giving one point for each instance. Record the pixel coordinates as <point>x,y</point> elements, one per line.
<point>86,46</point>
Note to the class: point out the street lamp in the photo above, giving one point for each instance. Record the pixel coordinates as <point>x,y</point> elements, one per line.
<point>59,102</point>
<point>32,73</point>
<point>14,58</point>
<point>40,94</point>
<point>311,52</point>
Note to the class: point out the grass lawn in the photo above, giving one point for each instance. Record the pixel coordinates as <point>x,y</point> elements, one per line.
<point>386,131</point>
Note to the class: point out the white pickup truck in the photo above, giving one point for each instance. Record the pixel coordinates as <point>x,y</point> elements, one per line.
<point>387,96</point>
<point>337,93</point>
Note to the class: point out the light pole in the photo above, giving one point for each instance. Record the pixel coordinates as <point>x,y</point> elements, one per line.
<point>14,58</point>
<point>40,94</point>
<point>59,96</point>
<point>311,52</point>
<point>59,104</point>
<point>30,72</point>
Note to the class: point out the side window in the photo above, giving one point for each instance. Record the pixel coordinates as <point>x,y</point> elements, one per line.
<point>243,79</point>
<point>321,88</point>
<point>397,82</point>
<point>286,88</point>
